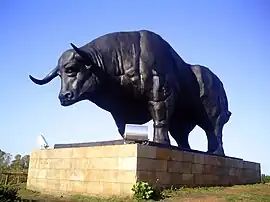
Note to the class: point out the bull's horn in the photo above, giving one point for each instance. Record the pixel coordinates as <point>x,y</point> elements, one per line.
<point>47,79</point>
<point>83,54</point>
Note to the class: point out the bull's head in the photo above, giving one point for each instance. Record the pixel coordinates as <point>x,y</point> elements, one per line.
<point>77,74</point>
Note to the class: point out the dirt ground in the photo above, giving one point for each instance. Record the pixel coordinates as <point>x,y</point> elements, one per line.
<point>257,192</point>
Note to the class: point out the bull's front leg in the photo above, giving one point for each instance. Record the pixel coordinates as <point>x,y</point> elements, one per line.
<point>120,124</point>
<point>161,106</point>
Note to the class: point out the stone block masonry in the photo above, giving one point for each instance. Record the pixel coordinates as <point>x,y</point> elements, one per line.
<point>113,169</point>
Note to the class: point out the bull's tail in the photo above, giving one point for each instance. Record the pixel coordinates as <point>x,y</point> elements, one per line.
<point>229,114</point>
<point>224,103</point>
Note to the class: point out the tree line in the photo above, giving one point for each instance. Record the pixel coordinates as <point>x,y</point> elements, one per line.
<point>17,164</point>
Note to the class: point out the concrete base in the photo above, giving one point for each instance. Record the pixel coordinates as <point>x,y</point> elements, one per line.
<point>114,169</point>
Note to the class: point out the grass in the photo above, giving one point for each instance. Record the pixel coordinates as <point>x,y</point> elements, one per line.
<point>256,192</point>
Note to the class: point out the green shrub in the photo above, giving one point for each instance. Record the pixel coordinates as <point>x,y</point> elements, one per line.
<point>142,190</point>
<point>8,194</point>
<point>265,178</point>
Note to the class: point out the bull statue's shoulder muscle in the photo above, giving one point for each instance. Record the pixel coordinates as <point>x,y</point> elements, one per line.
<point>117,51</point>
<point>120,53</point>
<point>133,57</point>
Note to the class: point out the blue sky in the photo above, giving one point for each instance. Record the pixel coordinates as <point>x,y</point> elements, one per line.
<point>230,37</point>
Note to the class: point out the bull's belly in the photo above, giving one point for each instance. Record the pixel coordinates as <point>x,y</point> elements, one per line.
<point>138,119</point>
<point>134,112</point>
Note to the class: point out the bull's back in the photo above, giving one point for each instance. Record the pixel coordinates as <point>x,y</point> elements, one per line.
<point>135,53</point>
<point>161,56</point>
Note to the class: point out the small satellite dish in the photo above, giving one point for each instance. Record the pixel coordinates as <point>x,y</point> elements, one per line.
<point>136,133</point>
<point>42,142</point>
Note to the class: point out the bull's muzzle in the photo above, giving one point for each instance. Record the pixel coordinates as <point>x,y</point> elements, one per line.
<point>66,98</point>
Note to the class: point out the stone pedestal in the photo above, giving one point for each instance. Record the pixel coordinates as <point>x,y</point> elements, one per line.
<point>114,169</point>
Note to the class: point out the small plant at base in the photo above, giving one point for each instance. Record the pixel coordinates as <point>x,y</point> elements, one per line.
<point>142,190</point>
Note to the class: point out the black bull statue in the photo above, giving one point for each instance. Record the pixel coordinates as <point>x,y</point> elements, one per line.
<point>137,77</point>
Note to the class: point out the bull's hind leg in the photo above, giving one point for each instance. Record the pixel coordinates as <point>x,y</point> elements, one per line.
<point>213,144</point>
<point>219,124</point>
<point>161,106</point>
<point>180,132</point>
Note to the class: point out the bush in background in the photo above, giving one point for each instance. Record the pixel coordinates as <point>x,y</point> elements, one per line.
<point>18,163</point>
<point>9,194</point>
<point>265,178</point>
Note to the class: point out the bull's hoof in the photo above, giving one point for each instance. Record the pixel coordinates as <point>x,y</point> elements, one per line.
<point>165,142</point>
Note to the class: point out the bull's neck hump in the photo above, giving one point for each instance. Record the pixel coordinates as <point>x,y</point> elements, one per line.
<point>96,57</point>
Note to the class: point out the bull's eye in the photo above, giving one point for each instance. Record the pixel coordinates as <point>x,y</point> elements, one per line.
<point>71,71</point>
